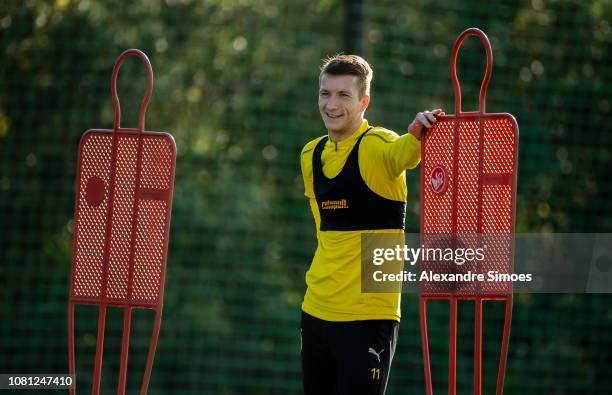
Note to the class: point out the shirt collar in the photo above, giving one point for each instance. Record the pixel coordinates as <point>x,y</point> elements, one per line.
<point>350,141</point>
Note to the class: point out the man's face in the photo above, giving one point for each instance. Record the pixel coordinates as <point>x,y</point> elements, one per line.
<point>339,103</point>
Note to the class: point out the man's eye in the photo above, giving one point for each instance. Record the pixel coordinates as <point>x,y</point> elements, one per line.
<point>324,94</point>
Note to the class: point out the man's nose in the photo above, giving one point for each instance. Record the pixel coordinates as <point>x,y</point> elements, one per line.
<point>332,102</point>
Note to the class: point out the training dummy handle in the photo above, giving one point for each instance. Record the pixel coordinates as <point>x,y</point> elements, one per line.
<point>453,68</point>
<point>147,97</point>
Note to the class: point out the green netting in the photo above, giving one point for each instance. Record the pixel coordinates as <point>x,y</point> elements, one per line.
<point>236,83</point>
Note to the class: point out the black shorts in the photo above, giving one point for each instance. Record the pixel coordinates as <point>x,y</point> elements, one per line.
<point>347,358</point>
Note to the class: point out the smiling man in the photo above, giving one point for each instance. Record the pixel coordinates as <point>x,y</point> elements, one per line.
<point>354,178</point>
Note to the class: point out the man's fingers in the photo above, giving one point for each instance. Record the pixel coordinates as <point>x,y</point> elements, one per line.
<point>423,119</point>
<point>430,116</point>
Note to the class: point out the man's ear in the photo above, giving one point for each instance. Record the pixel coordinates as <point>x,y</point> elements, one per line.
<point>365,102</point>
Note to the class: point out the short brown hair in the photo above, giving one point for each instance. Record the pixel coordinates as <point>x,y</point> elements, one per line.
<point>341,64</point>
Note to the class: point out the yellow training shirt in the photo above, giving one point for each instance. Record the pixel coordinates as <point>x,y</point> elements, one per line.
<point>333,280</point>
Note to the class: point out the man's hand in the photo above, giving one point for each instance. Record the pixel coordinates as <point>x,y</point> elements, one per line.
<point>423,121</point>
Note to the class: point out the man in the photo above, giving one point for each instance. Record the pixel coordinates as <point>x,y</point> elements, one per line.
<point>354,178</point>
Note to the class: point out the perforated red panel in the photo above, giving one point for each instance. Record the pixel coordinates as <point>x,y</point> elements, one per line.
<point>440,153</point>
<point>125,184</point>
<point>158,157</point>
<point>499,261</point>
<point>90,219</point>
<point>150,236</point>
<point>484,161</point>
<point>149,251</point>
<point>157,162</point>
<point>467,177</point>
<point>500,144</point>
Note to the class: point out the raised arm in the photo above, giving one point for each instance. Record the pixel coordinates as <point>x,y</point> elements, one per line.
<point>401,153</point>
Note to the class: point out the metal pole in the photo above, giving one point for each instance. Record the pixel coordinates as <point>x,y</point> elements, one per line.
<point>353,27</point>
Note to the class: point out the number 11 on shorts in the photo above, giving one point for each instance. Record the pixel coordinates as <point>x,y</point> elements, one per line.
<point>375,373</point>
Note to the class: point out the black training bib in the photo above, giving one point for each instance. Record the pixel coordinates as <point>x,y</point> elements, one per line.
<point>347,203</point>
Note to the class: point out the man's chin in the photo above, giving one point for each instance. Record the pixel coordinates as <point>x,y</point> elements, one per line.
<point>333,127</point>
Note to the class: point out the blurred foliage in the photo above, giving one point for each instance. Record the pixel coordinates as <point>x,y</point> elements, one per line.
<point>236,83</point>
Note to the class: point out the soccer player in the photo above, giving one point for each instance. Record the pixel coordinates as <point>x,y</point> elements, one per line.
<point>354,178</point>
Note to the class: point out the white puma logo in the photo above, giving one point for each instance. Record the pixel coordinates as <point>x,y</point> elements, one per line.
<point>372,351</point>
